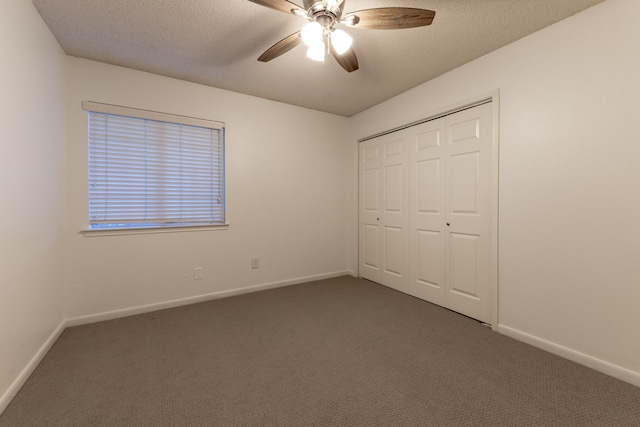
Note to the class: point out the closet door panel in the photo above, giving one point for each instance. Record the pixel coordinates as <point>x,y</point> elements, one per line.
<point>430,260</point>
<point>393,242</point>
<point>370,250</point>
<point>428,186</point>
<point>427,216</point>
<point>395,210</point>
<point>463,253</point>
<point>370,207</point>
<point>469,139</point>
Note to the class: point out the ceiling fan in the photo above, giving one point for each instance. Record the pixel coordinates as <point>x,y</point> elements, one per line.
<point>321,36</point>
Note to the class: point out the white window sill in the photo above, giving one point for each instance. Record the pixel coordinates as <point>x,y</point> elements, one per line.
<point>152,230</point>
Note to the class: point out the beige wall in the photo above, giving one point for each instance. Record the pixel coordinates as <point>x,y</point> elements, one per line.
<point>569,180</point>
<point>31,190</point>
<point>569,203</point>
<point>287,190</point>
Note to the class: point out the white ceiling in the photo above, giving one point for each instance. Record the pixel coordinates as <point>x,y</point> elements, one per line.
<point>217,43</point>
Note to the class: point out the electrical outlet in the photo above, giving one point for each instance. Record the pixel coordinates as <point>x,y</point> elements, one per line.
<point>255,263</point>
<point>198,274</point>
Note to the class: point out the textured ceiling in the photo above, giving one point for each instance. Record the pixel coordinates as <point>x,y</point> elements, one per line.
<point>217,43</point>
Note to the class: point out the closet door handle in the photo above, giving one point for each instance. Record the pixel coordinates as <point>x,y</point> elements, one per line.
<point>448,224</point>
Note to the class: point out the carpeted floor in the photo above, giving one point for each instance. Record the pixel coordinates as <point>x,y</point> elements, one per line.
<point>338,352</point>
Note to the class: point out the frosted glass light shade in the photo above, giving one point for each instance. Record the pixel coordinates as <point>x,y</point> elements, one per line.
<point>340,41</point>
<point>316,51</point>
<point>311,33</point>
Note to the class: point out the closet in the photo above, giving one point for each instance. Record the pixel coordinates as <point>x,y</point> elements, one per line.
<point>425,210</point>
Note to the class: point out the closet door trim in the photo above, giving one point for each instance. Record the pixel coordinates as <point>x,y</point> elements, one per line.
<point>429,118</point>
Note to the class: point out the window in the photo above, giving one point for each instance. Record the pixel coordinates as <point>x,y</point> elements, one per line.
<point>149,169</point>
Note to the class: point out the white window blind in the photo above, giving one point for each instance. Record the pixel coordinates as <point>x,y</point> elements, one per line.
<point>149,169</point>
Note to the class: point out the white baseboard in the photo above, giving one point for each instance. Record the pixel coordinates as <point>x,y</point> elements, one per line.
<point>22,378</point>
<point>599,365</point>
<point>115,314</point>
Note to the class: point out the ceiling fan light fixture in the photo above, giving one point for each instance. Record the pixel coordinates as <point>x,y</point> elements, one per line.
<point>341,41</point>
<point>311,33</point>
<point>321,37</point>
<point>316,51</point>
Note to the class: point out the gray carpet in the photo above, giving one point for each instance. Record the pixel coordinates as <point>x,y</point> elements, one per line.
<point>338,352</point>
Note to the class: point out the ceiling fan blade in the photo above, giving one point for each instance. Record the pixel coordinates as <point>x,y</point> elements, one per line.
<point>281,5</point>
<point>283,46</point>
<point>337,7</point>
<point>341,10</point>
<point>308,3</point>
<point>389,18</point>
<point>347,60</point>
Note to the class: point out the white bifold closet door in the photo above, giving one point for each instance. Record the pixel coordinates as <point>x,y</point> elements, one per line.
<point>384,211</point>
<point>425,220</point>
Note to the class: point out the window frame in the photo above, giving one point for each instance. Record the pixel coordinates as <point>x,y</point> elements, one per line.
<point>135,113</point>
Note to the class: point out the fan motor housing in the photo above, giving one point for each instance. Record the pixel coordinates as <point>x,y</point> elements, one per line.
<point>319,13</point>
<point>325,19</point>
